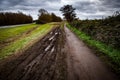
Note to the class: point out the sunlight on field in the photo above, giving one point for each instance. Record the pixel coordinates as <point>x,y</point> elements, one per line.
<point>7,33</point>
<point>27,41</point>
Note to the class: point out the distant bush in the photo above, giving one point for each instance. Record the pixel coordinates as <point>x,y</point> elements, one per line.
<point>8,18</point>
<point>55,18</point>
<point>45,17</point>
<point>112,20</point>
<point>105,30</point>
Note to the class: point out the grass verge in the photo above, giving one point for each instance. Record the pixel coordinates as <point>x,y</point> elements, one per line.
<point>112,54</point>
<point>24,42</point>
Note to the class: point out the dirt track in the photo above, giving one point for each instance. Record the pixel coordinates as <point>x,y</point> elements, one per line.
<point>82,63</point>
<point>43,61</point>
<point>58,56</point>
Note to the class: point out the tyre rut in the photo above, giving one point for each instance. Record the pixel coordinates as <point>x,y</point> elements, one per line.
<point>39,62</point>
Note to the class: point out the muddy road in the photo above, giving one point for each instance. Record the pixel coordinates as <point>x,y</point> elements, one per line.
<point>45,60</point>
<point>60,55</point>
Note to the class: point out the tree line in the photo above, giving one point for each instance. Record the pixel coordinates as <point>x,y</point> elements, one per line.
<point>46,17</point>
<point>8,18</point>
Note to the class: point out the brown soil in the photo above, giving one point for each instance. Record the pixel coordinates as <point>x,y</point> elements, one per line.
<point>82,63</point>
<point>45,60</point>
<point>60,55</point>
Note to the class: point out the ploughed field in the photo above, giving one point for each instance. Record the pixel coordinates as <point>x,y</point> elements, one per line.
<point>45,60</point>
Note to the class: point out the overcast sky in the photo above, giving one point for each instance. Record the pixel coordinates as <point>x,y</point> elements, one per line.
<point>90,9</point>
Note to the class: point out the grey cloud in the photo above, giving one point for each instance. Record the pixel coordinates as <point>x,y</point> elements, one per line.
<point>88,7</point>
<point>7,4</point>
<point>111,4</point>
<point>10,2</point>
<point>84,8</point>
<point>105,7</point>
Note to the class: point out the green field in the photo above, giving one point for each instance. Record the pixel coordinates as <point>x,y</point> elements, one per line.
<point>23,42</point>
<point>110,52</point>
<point>7,33</point>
